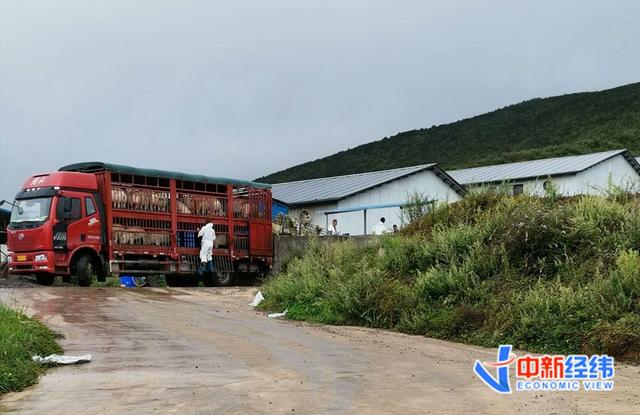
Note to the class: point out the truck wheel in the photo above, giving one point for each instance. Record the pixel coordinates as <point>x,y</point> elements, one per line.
<point>190,280</point>
<point>225,279</point>
<point>84,271</point>
<point>182,280</point>
<point>45,279</point>
<point>209,279</point>
<point>140,281</point>
<point>171,280</point>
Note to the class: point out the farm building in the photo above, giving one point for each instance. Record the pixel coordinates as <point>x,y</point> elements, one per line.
<point>571,175</point>
<point>358,201</point>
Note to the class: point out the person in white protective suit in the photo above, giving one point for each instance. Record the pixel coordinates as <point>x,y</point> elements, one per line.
<point>206,247</point>
<point>380,228</point>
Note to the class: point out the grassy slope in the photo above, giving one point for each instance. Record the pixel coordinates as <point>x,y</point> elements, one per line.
<point>20,338</point>
<point>539,128</point>
<point>547,275</point>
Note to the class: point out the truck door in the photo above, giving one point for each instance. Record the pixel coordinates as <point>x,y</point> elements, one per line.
<point>72,227</point>
<point>94,225</point>
<point>260,233</point>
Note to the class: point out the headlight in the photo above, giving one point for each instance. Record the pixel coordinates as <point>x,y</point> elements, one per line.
<point>41,257</point>
<point>9,259</point>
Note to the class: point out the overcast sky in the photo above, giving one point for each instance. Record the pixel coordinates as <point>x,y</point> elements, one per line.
<point>245,88</point>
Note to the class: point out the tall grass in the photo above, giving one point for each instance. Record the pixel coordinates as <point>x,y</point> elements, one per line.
<point>545,274</point>
<point>20,338</point>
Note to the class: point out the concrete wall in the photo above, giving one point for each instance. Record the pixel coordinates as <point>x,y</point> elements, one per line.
<point>286,247</point>
<point>396,192</point>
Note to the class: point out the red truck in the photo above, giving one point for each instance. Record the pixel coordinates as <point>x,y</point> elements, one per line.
<point>99,219</point>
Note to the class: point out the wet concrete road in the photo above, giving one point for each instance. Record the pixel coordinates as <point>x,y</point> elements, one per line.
<point>205,351</point>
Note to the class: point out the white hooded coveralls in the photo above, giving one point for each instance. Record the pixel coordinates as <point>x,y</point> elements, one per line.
<point>380,229</point>
<point>206,247</point>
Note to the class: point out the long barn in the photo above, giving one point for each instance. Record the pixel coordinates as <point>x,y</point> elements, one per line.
<point>358,201</point>
<point>572,175</point>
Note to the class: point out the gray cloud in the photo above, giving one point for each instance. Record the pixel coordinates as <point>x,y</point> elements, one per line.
<point>242,89</point>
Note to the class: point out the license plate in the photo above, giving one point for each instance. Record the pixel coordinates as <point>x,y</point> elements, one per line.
<point>21,257</point>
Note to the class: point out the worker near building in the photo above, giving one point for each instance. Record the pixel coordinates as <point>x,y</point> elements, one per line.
<point>395,228</point>
<point>208,236</point>
<point>333,228</point>
<point>380,228</point>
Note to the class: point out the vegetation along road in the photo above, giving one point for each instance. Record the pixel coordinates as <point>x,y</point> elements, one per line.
<point>201,351</point>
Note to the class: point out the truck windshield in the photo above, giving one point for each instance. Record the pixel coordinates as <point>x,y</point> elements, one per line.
<point>31,210</point>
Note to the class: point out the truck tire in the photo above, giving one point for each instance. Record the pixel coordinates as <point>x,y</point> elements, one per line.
<point>190,280</point>
<point>84,271</point>
<point>45,279</point>
<point>225,279</point>
<point>171,280</point>
<point>209,279</point>
<point>140,281</point>
<point>181,280</point>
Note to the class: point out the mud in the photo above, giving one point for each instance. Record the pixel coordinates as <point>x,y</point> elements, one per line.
<point>204,350</point>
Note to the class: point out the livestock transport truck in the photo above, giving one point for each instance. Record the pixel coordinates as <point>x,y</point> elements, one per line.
<point>99,219</point>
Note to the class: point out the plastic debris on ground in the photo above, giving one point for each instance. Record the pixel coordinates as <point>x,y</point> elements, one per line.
<point>257,299</point>
<point>60,359</point>
<point>277,315</point>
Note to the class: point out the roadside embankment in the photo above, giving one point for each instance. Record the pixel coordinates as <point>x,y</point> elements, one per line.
<point>22,337</point>
<point>544,274</point>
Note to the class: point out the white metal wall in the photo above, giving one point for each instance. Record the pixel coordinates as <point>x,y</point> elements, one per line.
<point>396,192</point>
<point>593,181</point>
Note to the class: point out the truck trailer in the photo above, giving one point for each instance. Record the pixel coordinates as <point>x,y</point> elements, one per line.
<point>98,220</point>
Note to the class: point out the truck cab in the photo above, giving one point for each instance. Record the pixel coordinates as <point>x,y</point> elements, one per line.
<point>57,228</point>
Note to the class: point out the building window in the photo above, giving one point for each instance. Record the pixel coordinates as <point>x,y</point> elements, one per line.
<point>518,189</point>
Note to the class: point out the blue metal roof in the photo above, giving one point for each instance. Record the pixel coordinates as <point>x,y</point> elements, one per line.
<point>339,187</point>
<point>537,168</point>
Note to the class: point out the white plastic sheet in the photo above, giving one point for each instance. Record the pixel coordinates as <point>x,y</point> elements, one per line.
<point>277,315</point>
<point>257,299</point>
<point>60,359</point>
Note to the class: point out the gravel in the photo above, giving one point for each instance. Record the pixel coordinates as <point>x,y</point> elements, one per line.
<point>17,281</point>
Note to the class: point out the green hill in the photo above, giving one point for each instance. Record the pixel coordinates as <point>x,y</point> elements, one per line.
<point>543,127</point>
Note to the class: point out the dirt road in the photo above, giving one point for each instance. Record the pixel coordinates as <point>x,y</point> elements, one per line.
<point>204,351</point>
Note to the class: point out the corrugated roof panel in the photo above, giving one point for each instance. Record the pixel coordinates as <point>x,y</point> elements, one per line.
<point>338,187</point>
<point>531,169</point>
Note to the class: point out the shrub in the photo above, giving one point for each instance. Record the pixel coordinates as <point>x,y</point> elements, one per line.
<point>546,274</point>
